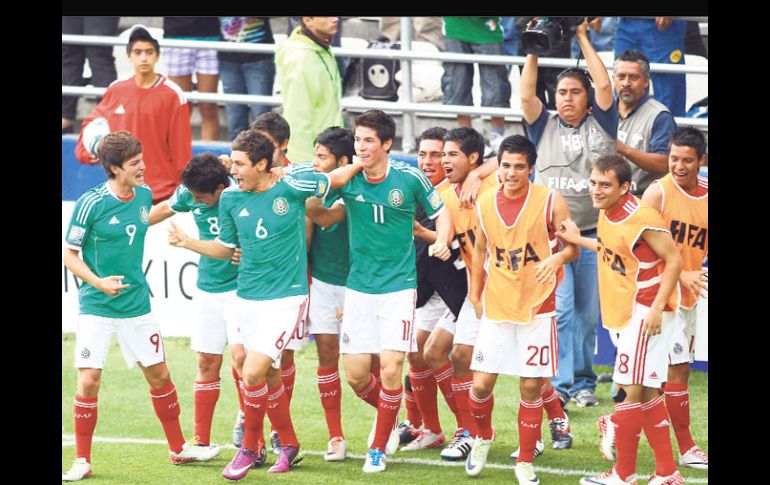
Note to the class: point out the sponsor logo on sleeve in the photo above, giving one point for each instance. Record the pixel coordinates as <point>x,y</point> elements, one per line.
<point>435,200</point>
<point>76,235</point>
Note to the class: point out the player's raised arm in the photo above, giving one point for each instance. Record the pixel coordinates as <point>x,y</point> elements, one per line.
<point>569,233</point>
<point>212,249</point>
<point>342,175</point>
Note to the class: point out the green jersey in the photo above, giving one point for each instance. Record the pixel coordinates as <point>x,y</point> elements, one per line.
<point>329,258</point>
<point>110,234</point>
<point>478,30</point>
<point>214,275</point>
<point>270,228</point>
<point>380,218</point>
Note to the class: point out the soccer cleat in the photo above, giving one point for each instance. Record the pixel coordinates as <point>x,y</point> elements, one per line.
<point>673,479</point>
<point>525,474</point>
<point>238,429</point>
<point>608,478</point>
<point>425,439</point>
<point>563,398</point>
<point>459,447</point>
<point>275,442</point>
<point>604,377</point>
<point>286,460</point>
<point>241,463</point>
<point>192,452</point>
<point>406,432</point>
<point>80,469</point>
<point>336,450</point>
<point>374,461</point>
<point>393,440</point>
<point>585,398</point>
<point>539,449</point>
<point>477,458</point>
<point>561,439</point>
<point>695,458</point>
<point>607,443</point>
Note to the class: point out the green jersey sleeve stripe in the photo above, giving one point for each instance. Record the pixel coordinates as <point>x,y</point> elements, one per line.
<point>225,244</point>
<point>426,185</point>
<point>88,204</point>
<point>302,185</point>
<point>441,209</point>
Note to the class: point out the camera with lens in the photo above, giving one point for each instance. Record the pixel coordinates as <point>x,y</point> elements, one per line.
<point>547,32</point>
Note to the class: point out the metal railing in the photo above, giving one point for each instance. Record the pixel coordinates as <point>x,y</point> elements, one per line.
<point>406,107</point>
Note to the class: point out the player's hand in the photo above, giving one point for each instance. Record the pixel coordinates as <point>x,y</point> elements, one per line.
<point>470,190</point>
<point>339,312</point>
<point>111,285</point>
<point>226,162</point>
<point>176,236</point>
<point>652,323</point>
<point>568,231</point>
<point>696,281</point>
<point>582,29</point>
<point>476,304</point>
<point>236,259</point>
<point>439,250</point>
<point>596,24</point>
<point>276,174</point>
<point>546,269</point>
<point>663,22</point>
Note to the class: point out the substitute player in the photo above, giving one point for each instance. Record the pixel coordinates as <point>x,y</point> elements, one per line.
<point>108,225</point>
<point>517,248</point>
<point>265,218</point>
<point>203,181</point>
<point>639,267</point>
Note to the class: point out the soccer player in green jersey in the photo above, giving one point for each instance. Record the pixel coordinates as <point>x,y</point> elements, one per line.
<point>108,226</point>
<point>203,181</point>
<point>267,220</point>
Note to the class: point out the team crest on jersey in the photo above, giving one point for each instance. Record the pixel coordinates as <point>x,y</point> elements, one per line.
<point>678,348</point>
<point>396,198</point>
<point>280,206</point>
<point>144,215</point>
<point>85,353</point>
<point>435,200</point>
<point>76,235</point>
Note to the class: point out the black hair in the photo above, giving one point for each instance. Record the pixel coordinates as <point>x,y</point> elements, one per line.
<point>518,144</point>
<point>470,141</point>
<point>274,124</point>
<point>435,133</point>
<point>617,164</point>
<point>379,121</point>
<point>635,55</point>
<point>204,173</point>
<point>339,141</point>
<point>256,145</point>
<point>689,137</point>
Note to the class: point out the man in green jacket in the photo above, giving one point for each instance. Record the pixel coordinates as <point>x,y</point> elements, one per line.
<point>311,84</point>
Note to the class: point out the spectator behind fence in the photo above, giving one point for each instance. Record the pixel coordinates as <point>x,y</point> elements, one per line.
<point>100,59</point>
<point>154,109</point>
<point>662,40</point>
<point>424,29</point>
<point>245,72</point>
<point>342,62</point>
<point>181,63</point>
<point>584,128</point>
<point>476,35</point>
<point>645,125</point>
<point>311,86</point>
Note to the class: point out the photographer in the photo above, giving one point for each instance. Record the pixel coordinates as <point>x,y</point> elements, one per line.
<point>584,128</point>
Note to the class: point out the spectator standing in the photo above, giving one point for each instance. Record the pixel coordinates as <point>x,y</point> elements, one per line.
<point>424,29</point>
<point>100,59</point>
<point>245,72</point>
<point>181,63</point>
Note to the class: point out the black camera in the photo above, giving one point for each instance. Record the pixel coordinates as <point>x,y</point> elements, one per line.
<point>547,32</point>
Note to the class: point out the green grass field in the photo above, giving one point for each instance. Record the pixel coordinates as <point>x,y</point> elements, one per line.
<point>130,448</point>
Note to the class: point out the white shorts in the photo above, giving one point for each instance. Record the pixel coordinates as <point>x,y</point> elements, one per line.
<point>301,336</point>
<point>682,350</point>
<point>530,350</point>
<point>642,360</point>
<point>373,323</point>
<point>324,301</point>
<point>467,325</point>
<point>139,339</point>
<point>214,328</point>
<point>434,312</point>
<point>183,62</point>
<point>266,326</point>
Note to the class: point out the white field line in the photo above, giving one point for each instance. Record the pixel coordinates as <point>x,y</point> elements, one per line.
<point>67,440</point>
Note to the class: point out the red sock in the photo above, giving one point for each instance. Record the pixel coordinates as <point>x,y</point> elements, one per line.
<point>371,393</point>
<point>656,429</point>
<point>166,406</point>
<point>206,395</point>
<point>330,390</point>
<point>287,377</point>
<point>413,414</point>
<point>551,402</point>
<point>481,413</point>
<point>443,378</point>
<point>238,386</point>
<point>530,419</point>
<point>460,388</point>
<point>628,426</point>
<point>678,405</point>
<point>280,417</point>
<point>387,414</point>
<point>424,387</point>
<point>254,407</point>
<point>84,413</point>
